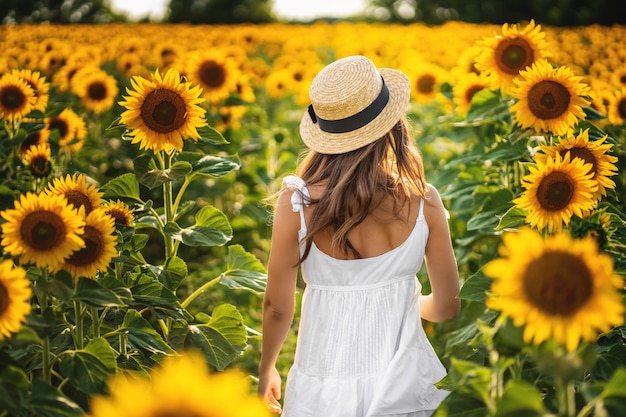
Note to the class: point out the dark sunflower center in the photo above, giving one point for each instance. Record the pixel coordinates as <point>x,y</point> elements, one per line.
<point>120,216</point>
<point>426,84</point>
<point>97,91</point>
<point>555,191</point>
<point>212,74</point>
<point>4,299</point>
<point>13,98</point>
<point>94,247</point>
<point>622,79</point>
<point>471,91</point>
<point>558,283</point>
<point>32,139</point>
<point>585,154</point>
<point>42,230</point>
<point>621,108</point>
<point>298,76</point>
<point>548,99</point>
<point>163,111</point>
<point>40,165</point>
<point>61,125</point>
<point>78,198</point>
<point>513,55</point>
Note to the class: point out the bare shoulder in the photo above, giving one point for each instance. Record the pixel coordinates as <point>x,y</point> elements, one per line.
<point>434,210</point>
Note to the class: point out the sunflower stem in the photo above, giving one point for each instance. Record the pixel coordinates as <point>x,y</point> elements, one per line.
<point>566,396</point>
<point>95,322</point>
<point>181,191</point>
<point>199,291</point>
<point>168,206</point>
<point>45,341</point>
<point>78,314</point>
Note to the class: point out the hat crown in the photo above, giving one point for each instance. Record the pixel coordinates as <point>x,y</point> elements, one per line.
<point>345,87</point>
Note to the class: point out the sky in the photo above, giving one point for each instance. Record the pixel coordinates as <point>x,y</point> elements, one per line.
<point>288,9</point>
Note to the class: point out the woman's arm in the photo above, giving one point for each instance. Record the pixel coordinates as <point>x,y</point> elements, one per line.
<point>279,299</point>
<point>442,304</point>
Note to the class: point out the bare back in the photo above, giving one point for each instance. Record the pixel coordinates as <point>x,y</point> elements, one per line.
<point>386,228</point>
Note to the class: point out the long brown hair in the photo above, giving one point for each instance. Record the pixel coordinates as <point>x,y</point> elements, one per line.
<point>391,167</point>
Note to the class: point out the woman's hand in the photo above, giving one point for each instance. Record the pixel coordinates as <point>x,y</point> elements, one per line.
<point>269,389</point>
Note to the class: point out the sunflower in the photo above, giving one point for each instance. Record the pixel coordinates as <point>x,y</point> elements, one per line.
<point>71,128</point>
<point>592,152</point>
<point>42,229</point>
<point>129,64</point>
<point>15,293</point>
<point>465,89</point>
<point>37,158</point>
<point>99,247</point>
<point>557,288</point>
<point>163,112</point>
<point>425,81</point>
<point>77,192</point>
<point>64,77</point>
<point>121,213</point>
<point>214,72</point>
<point>40,86</point>
<point>502,57</point>
<point>276,84</point>
<point>550,100</point>
<point>37,137</point>
<point>17,98</point>
<point>166,55</point>
<point>96,89</point>
<point>556,189</point>
<point>180,386</point>
<point>617,107</point>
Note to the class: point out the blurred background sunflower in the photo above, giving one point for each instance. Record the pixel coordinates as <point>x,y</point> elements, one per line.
<point>15,293</point>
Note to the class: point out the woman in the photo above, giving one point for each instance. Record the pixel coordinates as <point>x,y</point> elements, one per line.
<point>358,220</point>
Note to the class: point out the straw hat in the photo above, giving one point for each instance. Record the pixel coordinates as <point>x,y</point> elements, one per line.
<point>352,105</point>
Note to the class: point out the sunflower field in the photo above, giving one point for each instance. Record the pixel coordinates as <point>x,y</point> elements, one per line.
<point>137,161</point>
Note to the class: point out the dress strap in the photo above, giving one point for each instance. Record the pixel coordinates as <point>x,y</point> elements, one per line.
<point>420,214</point>
<point>299,199</point>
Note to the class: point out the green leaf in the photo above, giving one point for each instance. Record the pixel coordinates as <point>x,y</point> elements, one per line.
<point>486,105</point>
<point>593,114</point>
<point>149,175</point>
<point>471,378</point>
<point>48,401</point>
<point>211,229</point>
<point>172,273</point>
<point>222,339</point>
<point>243,271</point>
<point>608,362</point>
<point>123,187</point>
<point>475,288</point>
<point>616,387</point>
<point>91,293</point>
<point>210,135</point>
<point>88,369</point>
<point>149,291</point>
<point>141,335</point>
<point>488,218</point>
<point>512,218</point>
<point>520,399</point>
<point>14,387</point>
<point>216,166</point>
<point>460,405</point>
<point>461,336</point>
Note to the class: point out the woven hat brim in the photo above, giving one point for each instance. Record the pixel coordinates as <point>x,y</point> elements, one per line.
<point>335,143</point>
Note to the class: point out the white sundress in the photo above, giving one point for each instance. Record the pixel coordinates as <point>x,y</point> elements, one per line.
<point>361,349</point>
